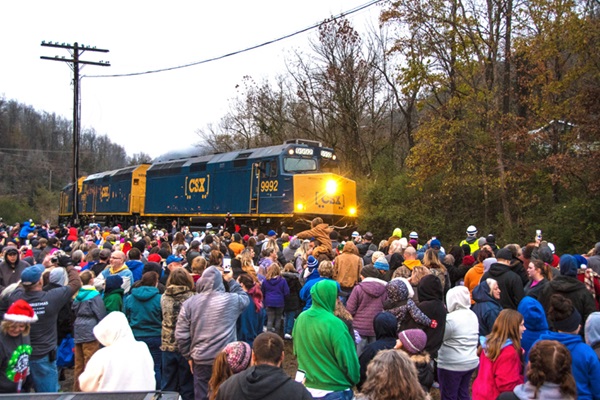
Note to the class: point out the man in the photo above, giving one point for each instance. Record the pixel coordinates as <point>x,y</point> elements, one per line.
<point>471,239</point>
<point>265,380</point>
<point>193,251</point>
<point>117,267</point>
<point>207,323</point>
<point>44,333</point>
<point>366,244</point>
<point>103,258</point>
<point>135,264</point>
<point>510,284</point>
<point>11,268</point>
<point>346,270</point>
<point>410,261</point>
<point>324,347</point>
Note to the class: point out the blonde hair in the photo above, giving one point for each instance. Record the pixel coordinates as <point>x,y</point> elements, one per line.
<point>5,326</point>
<point>198,265</point>
<point>418,273</point>
<point>273,271</point>
<point>326,269</point>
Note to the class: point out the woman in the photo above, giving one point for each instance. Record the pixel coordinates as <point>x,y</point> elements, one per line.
<point>15,347</point>
<point>487,305</point>
<point>432,261</point>
<point>500,365</point>
<point>473,276</point>
<point>539,275</point>
<point>457,358</point>
<point>179,240</point>
<point>234,358</point>
<point>198,267</point>
<point>301,255</point>
<point>418,273</point>
<point>274,289</point>
<point>293,304</point>
<point>175,374</point>
<point>391,376</point>
<point>143,311</point>
<point>548,374</point>
<point>251,322</point>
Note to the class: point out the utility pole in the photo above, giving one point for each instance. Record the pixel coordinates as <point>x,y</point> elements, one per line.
<point>75,50</point>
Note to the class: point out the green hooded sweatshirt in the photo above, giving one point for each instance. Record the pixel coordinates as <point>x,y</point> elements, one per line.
<point>323,345</point>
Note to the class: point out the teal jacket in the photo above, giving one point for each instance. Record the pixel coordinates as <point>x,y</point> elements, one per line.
<point>143,312</point>
<point>322,343</point>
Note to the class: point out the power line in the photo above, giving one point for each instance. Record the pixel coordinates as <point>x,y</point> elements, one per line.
<point>316,25</point>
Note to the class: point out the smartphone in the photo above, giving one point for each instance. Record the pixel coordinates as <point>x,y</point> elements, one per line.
<point>538,234</point>
<point>300,375</point>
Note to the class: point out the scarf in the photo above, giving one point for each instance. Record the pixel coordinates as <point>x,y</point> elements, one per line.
<point>113,271</point>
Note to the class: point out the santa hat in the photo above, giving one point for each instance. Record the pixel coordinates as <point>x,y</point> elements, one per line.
<point>20,311</point>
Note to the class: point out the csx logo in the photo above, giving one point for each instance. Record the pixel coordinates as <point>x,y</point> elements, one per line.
<point>196,185</point>
<point>331,200</point>
<point>105,192</point>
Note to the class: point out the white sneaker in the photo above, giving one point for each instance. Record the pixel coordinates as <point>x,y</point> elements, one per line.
<point>287,336</point>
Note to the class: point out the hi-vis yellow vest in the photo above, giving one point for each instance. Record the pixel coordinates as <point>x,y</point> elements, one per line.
<point>474,246</point>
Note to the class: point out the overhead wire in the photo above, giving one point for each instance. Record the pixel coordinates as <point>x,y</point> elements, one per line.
<point>316,25</point>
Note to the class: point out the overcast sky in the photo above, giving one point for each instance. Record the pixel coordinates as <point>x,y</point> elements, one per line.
<point>157,112</point>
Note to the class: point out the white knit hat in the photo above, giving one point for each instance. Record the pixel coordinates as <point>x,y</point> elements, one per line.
<point>20,311</point>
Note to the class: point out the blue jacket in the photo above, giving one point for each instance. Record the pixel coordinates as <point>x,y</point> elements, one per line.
<point>250,323</point>
<point>536,324</point>
<point>275,290</point>
<point>486,308</point>
<point>143,311</point>
<point>585,367</point>
<point>136,267</point>
<point>311,280</point>
<point>26,230</point>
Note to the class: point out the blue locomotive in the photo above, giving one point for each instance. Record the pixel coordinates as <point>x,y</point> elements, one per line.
<point>285,184</point>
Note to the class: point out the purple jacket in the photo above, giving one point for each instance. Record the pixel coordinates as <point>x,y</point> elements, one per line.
<point>274,292</point>
<point>365,302</point>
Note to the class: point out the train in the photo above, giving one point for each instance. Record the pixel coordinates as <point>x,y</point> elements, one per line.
<point>282,185</point>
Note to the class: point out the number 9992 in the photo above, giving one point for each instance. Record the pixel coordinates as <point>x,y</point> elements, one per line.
<point>269,186</point>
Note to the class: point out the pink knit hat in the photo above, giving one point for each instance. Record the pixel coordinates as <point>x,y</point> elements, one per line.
<point>413,340</point>
<point>238,356</point>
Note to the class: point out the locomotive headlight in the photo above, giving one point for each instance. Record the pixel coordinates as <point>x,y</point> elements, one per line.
<point>352,211</point>
<point>150,225</point>
<point>331,187</point>
<point>300,207</point>
<point>291,152</point>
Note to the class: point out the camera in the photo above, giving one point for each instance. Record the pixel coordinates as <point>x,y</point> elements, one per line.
<point>54,260</point>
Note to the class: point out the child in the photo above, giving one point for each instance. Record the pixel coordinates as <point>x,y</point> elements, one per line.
<point>113,293</point>
<point>292,302</point>
<point>413,341</point>
<point>89,309</point>
<point>274,289</point>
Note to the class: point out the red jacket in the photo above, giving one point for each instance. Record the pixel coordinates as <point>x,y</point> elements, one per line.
<point>498,376</point>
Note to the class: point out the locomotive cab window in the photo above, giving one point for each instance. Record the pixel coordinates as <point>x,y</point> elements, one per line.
<point>273,168</point>
<point>294,164</point>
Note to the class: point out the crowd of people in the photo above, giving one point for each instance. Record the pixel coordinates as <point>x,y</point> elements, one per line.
<point>206,313</point>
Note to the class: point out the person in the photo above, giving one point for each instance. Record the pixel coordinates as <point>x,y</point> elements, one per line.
<point>265,379</point>
<point>346,270</point>
<point>89,310</point>
<point>175,374</point>
<point>565,318</point>
<point>487,305</point>
<point>365,302</point>
<point>437,268</point>
<point>15,347</point>
<point>412,342</point>
<point>234,358</point>
<point>320,232</point>
<point>11,268</point>
<point>500,365</point>
<point>117,266</point>
<point>570,287</point>
<point>135,264</point>
<point>207,322</point>
<point>113,293</point>
<point>457,358</point>
<point>143,311</point>
<point>471,239</point>
<point>400,304</point>
<point>539,276</point>
<point>592,332</point>
<point>274,289</point>
<point>410,262</point>
<point>251,321</point>
<point>390,376</point>
<point>315,275</point>
<point>535,320</point>
<point>548,374</point>
<point>319,332</point>
<point>123,364</point>
<point>384,325</point>
<point>292,304</point>
<point>44,334</point>
<point>473,275</point>
<point>510,284</point>
<point>431,304</point>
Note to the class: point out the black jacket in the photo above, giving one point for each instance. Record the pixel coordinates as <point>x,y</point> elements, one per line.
<point>292,301</point>
<point>262,382</point>
<point>510,284</point>
<point>385,325</point>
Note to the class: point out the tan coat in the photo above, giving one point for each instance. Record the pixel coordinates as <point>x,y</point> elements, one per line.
<point>347,266</point>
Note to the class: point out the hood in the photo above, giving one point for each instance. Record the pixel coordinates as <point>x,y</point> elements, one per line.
<point>430,288</point>
<point>471,239</point>
<point>410,264</point>
<point>385,325</point>
<point>350,247</point>
<point>369,271</point>
<point>498,269</point>
<point>310,275</point>
<point>458,298</point>
<point>592,329</point>
<point>481,293</point>
<point>134,264</point>
<point>210,281</point>
<point>177,290</point>
<point>261,381</point>
<point>144,293</point>
<point>290,275</point>
<point>548,391</point>
<point>533,313</point>
<point>569,340</point>
<point>295,244</point>
<point>324,294</point>
<point>274,282</point>
<point>566,284</point>
<point>113,328</point>
<point>86,293</point>
<point>373,287</point>
<point>568,265</point>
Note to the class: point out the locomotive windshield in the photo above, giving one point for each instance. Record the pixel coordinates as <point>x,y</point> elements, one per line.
<point>293,164</point>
